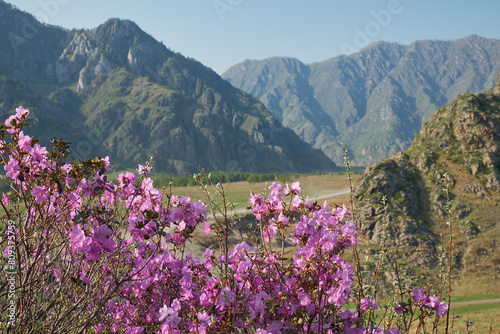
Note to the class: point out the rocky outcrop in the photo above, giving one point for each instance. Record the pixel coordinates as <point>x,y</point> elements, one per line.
<point>399,224</point>
<point>95,66</point>
<point>459,145</point>
<point>74,57</point>
<point>467,131</point>
<point>116,43</point>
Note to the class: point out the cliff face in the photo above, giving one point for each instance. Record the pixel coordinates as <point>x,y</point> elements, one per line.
<point>116,91</point>
<point>374,101</point>
<point>112,45</point>
<point>458,148</point>
<point>468,132</point>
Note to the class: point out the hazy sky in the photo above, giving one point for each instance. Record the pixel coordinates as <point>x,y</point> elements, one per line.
<point>221,33</point>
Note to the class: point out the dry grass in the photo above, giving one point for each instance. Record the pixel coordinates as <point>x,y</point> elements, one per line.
<point>312,185</point>
<point>476,258</point>
<point>482,316</point>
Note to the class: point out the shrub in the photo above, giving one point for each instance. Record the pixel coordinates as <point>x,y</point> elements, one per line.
<point>85,255</point>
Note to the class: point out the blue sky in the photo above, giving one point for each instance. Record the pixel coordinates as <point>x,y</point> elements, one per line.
<point>221,33</point>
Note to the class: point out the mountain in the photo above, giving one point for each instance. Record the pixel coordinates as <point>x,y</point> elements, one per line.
<point>457,148</point>
<point>376,100</point>
<point>116,91</point>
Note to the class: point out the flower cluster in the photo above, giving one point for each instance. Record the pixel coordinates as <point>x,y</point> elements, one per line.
<point>117,254</point>
<point>424,303</point>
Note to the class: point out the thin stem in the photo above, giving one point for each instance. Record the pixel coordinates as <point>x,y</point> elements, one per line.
<point>359,295</point>
<point>382,250</point>
<point>450,250</point>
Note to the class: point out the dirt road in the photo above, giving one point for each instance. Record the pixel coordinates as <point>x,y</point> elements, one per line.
<point>472,302</point>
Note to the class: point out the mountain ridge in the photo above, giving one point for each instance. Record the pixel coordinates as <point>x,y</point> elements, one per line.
<point>377,98</point>
<point>114,90</point>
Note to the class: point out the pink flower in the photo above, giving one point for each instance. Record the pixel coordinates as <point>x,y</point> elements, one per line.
<point>204,319</point>
<point>11,123</point>
<point>304,298</point>
<point>296,202</point>
<point>12,168</point>
<point>38,152</point>
<point>20,112</point>
<point>227,297</point>
<point>165,312</point>
<point>341,212</point>
<point>3,146</point>
<point>5,198</point>
<point>366,304</point>
<point>102,233</point>
<point>40,193</point>
<point>295,188</point>
<point>56,274</point>
<point>7,250</point>
<point>182,226</point>
<point>255,199</point>
<point>129,177</point>
<point>80,243</point>
<point>106,163</point>
<point>143,170</point>
<point>283,219</point>
<point>269,232</point>
<point>442,309</point>
<point>83,278</point>
<point>207,228</point>
<point>399,309</point>
<point>393,330</point>
<point>99,328</point>
<point>94,253</point>
<point>66,168</point>
<point>432,302</point>
<point>347,315</point>
<point>176,305</point>
<point>169,316</point>
<point>24,142</point>
<point>275,187</point>
<point>329,241</point>
<point>13,120</point>
<point>418,294</point>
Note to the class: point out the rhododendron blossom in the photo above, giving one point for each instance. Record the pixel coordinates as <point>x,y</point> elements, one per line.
<point>40,194</point>
<point>119,250</point>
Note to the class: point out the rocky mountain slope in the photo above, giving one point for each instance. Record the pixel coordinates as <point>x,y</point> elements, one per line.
<point>116,91</point>
<point>457,148</point>
<point>376,100</point>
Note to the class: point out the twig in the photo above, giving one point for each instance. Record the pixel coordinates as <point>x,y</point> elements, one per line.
<point>448,204</point>
<point>359,295</point>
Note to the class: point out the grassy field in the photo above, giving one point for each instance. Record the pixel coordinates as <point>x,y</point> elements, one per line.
<point>312,185</point>
<point>474,298</point>
<point>482,316</point>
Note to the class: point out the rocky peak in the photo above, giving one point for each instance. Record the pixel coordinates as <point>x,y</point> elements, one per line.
<point>113,44</point>
<point>130,45</point>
